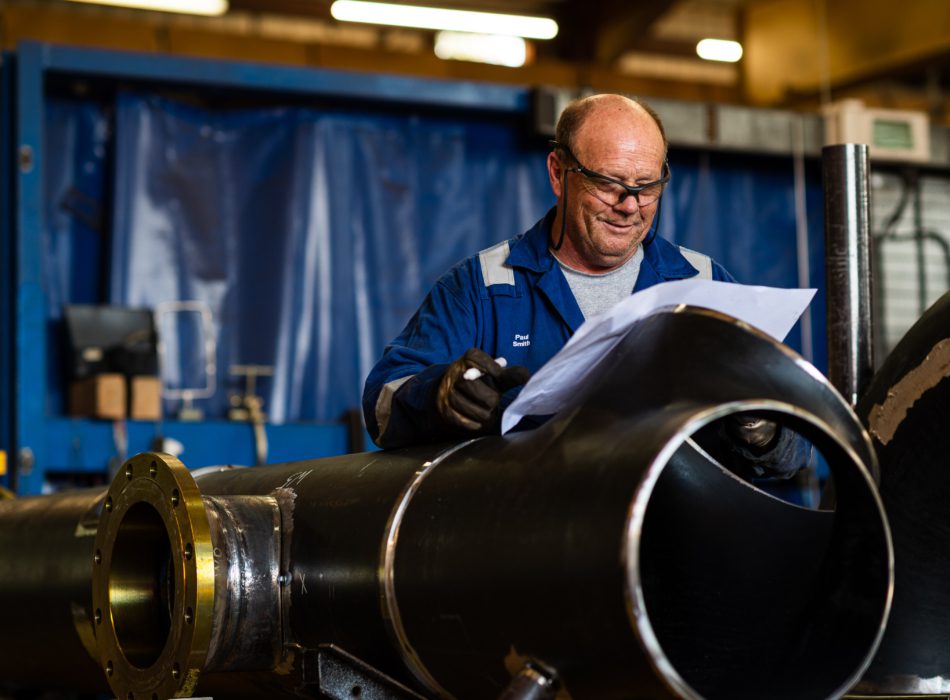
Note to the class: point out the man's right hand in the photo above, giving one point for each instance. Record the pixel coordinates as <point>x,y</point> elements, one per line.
<point>473,404</point>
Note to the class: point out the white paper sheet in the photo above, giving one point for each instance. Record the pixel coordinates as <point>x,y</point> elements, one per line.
<point>771,310</point>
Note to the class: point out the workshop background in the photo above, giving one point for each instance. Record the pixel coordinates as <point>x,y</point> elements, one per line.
<point>256,201</point>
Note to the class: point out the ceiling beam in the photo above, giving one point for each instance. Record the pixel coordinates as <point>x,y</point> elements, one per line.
<point>600,36</point>
<point>626,27</point>
<point>304,8</point>
<point>666,47</point>
<point>791,49</point>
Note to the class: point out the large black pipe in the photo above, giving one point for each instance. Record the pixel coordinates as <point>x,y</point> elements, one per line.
<point>604,547</point>
<point>46,549</point>
<point>907,411</point>
<point>722,605</point>
<point>845,173</point>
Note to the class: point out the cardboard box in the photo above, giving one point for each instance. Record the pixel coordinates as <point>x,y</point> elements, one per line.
<point>145,398</point>
<point>100,396</point>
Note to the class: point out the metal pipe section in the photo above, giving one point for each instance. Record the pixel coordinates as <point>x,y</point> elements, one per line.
<point>183,584</point>
<point>907,410</point>
<point>605,549</point>
<point>845,172</point>
<point>245,534</point>
<point>711,604</point>
<point>46,549</point>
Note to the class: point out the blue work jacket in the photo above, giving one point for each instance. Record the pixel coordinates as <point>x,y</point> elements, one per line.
<point>512,301</point>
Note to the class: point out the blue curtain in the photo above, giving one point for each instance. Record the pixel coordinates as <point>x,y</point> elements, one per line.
<point>313,235</point>
<point>77,148</point>
<point>740,209</point>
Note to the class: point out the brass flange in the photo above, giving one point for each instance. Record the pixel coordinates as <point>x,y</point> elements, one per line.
<point>153,581</point>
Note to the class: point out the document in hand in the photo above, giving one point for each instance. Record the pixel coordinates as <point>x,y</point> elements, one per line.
<point>771,310</point>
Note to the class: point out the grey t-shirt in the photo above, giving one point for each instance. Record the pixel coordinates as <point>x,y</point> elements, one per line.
<point>595,293</point>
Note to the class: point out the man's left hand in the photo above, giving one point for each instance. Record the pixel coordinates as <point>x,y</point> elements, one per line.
<point>752,431</point>
<point>753,446</point>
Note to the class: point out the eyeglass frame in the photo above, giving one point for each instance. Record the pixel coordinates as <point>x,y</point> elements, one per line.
<point>634,190</point>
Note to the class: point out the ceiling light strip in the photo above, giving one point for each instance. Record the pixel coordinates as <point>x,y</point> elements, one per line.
<point>719,50</point>
<point>444,19</point>
<point>495,49</point>
<point>191,7</point>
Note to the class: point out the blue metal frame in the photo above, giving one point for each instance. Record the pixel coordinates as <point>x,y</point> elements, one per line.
<point>47,442</point>
<point>235,75</point>
<point>7,280</point>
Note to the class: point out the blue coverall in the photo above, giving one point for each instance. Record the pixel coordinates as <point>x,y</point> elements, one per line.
<point>510,300</point>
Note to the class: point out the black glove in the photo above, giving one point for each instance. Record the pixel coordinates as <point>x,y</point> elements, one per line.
<point>751,431</point>
<point>473,404</point>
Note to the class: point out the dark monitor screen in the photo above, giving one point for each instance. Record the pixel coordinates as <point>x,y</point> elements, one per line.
<point>110,339</point>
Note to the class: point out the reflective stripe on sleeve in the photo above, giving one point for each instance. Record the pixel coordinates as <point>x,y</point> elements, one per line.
<point>384,404</point>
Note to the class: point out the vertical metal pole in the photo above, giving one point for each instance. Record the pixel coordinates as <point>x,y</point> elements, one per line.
<point>801,232</point>
<point>845,170</point>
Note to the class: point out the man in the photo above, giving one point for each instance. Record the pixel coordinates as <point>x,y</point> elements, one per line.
<point>522,299</point>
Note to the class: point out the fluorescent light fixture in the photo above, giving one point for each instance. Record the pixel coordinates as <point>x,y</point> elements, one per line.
<point>719,50</point>
<point>190,7</point>
<point>439,18</point>
<point>496,49</point>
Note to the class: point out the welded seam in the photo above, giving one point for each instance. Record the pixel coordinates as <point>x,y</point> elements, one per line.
<point>390,605</point>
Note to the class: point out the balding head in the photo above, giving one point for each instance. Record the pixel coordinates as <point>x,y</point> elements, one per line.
<point>580,112</point>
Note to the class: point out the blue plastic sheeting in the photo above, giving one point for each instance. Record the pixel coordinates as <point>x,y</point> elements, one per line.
<point>313,235</point>
<point>76,146</point>
<point>76,160</point>
<point>740,209</point>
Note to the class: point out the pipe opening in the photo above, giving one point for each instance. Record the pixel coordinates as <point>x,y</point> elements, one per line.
<point>742,590</point>
<point>141,589</point>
